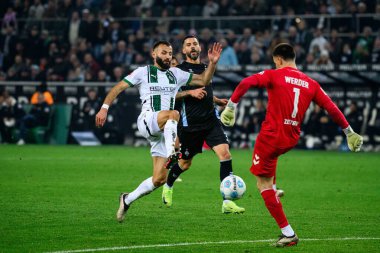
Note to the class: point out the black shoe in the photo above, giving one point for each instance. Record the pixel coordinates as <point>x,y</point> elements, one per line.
<point>172,160</point>
<point>123,208</point>
<point>285,241</point>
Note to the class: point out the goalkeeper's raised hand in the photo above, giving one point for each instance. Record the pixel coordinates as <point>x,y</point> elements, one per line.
<point>354,140</point>
<point>228,114</point>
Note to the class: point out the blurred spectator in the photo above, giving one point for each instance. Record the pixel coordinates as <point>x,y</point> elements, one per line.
<point>355,116</point>
<point>73,28</point>
<point>228,56</point>
<point>174,62</point>
<point>210,9</point>
<point>88,28</point>
<point>346,54</point>
<point>336,44</point>
<point>39,115</point>
<point>65,8</point>
<point>319,41</point>
<point>244,53</point>
<point>10,113</point>
<point>36,11</point>
<point>122,55</point>
<point>91,65</point>
<point>46,95</point>
<point>375,56</point>
<point>50,9</point>
<point>115,33</point>
<point>247,37</point>
<point>238,8</point>
<point>33,46</point>
<point>117,74</point>
<point>9,19</point>
<point>304,36</point>
<point>257,117</point>
<point>224,8</point>
<point>324,59</point>
<point>90,107</point>
<point>163,24</point>
<point>8,43</point>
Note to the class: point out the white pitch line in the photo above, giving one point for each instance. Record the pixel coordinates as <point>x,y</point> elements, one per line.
<point>207,243</point>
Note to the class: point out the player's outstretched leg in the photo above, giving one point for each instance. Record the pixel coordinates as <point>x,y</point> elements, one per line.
<point>123,208</point>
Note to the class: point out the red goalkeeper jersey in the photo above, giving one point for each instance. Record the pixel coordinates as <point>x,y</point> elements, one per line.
<point>290,93</point>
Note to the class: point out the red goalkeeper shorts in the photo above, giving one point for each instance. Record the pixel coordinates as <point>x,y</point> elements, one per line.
<point>264,158</point>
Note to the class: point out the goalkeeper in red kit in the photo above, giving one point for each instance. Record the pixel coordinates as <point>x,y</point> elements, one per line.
<point>290,93</point>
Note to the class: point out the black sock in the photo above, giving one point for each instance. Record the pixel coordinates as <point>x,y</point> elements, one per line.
<point>225,169</point>
<point>174,173</point>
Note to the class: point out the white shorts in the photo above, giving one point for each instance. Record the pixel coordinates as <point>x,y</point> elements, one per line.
<point>148,127</point>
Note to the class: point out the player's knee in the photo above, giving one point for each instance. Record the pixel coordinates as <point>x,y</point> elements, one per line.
<point>157,182</point>
<point>185,164</point>
<point>174,114</point>
<point>224,155</point>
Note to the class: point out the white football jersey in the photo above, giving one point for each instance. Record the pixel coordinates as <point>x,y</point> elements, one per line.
<point>158,88</point>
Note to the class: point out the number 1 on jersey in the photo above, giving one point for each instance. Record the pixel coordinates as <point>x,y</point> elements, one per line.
<point>295,104</point>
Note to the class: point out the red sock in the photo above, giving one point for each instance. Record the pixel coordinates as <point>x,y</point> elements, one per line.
<point>274,206</point>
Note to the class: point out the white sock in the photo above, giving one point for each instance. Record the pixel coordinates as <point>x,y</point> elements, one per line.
<point>274,187</point>
<point>287,231</point>
<point>170,134</point>
<point>166,185</point>
<point>144,188</point>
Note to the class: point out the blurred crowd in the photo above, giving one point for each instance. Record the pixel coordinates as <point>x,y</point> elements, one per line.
<point>90,40</point>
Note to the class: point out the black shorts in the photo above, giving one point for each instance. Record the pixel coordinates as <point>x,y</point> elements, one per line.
<point>192,142</point>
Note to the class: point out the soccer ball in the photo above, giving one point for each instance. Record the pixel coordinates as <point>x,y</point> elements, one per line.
<point>232,187</point>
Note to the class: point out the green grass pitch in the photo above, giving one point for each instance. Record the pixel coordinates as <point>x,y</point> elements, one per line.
<point>64,198</point>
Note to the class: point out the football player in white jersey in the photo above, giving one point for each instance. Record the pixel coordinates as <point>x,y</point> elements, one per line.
<point>158,85</point>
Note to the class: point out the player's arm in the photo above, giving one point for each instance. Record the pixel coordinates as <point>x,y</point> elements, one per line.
<point>112,94</point>
<point>205,78</point>
<point>220,101</point>
<point>197,93</point>
<point>354,140</point>
<point>228,115</point>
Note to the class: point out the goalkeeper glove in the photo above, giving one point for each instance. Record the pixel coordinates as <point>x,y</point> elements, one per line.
<point>228,114</point>
<point>354,140</point>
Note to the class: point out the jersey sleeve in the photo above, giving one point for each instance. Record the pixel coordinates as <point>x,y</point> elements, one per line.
<point>183,77</point>
<point>324,101</point>
<point>135,78</point>
<point>259,80</point>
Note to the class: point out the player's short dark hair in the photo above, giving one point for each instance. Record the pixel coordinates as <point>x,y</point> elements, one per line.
<point>191,36</point>
<point>285,51</point>
<point>161,42</point>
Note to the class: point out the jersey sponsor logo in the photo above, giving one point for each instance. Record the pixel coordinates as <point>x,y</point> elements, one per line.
<point>296,81</point>
<point>291,122</point>
<point>256,159</point>
<point>159,88</point>
<point>261,73</point>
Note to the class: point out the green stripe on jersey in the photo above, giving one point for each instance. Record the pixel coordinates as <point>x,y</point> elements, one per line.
<point>190,78</point>
<point>152,74</point>
<point>171,77</point>
<point>128,82</point>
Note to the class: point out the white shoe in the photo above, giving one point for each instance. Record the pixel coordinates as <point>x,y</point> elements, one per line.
<point>123,208</point>
<point>280,193</point>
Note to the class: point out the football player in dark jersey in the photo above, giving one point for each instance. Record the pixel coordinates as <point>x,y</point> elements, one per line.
<point>199,123</point>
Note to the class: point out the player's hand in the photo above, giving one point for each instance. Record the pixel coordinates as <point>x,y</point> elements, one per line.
<point>228,116</point>
<point>214,52</point>
<point>354,141</point>
<point>221,101</point>
<point>101,117</point>
<point>198,93</point>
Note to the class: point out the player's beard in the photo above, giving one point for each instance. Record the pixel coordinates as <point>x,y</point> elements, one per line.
<point>193,54</point>
<point>162,64</point>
